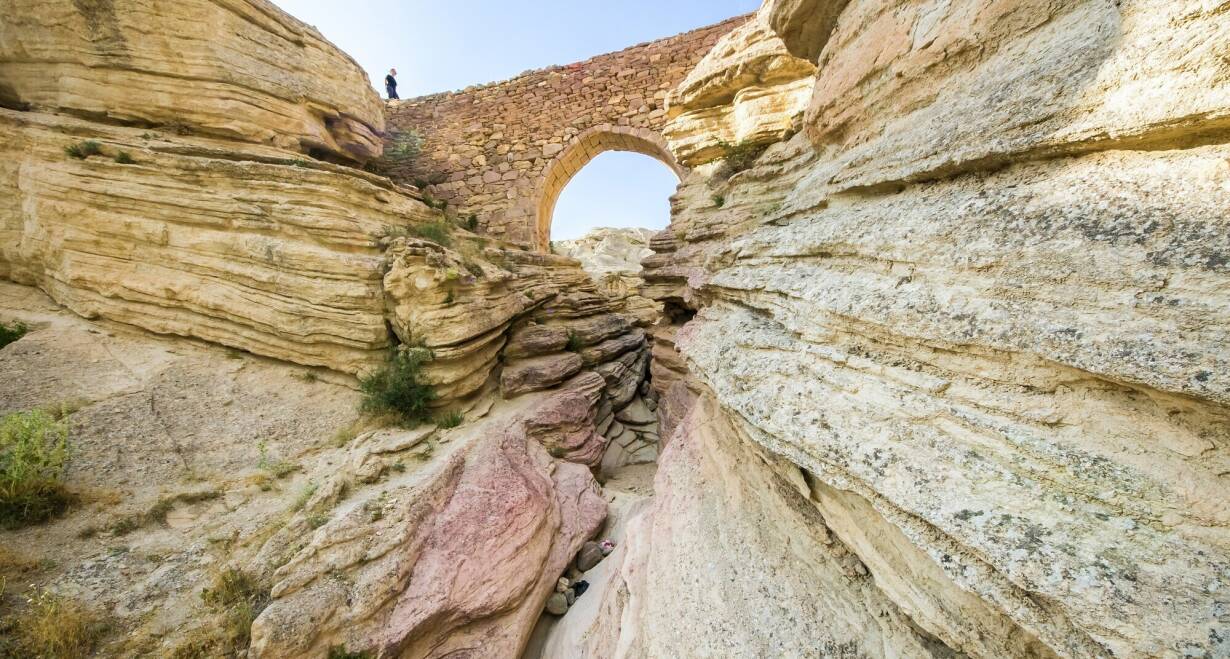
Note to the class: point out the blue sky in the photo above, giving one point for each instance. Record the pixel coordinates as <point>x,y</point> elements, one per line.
<point>439,46</point>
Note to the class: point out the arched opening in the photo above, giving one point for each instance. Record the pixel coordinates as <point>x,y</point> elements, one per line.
<point>616,190</point>
<point>583,149</point>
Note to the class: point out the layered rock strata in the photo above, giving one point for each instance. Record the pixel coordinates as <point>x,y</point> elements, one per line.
<point>239,245</point>
<point>157,177</point>
<point>250,73</point>
<point>612,257</point>
<point>748,90</point>
<point>979,309</point>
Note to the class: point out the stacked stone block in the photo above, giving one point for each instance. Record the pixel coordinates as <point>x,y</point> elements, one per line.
<point>495,150</point>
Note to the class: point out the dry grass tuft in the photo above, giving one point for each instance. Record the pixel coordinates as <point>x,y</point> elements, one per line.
<point>53,627</point>
<point>235,598</point>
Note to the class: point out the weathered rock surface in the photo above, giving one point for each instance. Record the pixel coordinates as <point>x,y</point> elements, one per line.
<point>158,424</point>
<point>613,258</point>
<point>462,561</point>
<point>235,244</point>
<point>981,306</point>
<point>539,373</point>
<point>804,26</point>
<point>731,560</point>
<point>238,69</point>
<point>747,90</point>
<point>565,424</point>
<point>605,251</point>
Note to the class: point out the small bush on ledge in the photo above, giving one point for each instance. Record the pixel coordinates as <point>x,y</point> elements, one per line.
<point>83,150</point>
<point>398,387</point>
<point>10,333</point>
<point>738,157</point>
<point>574,342</point>
<point>450,420</point>
<point>437,232</point>
<point>34,454</point>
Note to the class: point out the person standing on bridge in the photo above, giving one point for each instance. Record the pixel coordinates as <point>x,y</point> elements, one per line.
<point>390,85</point>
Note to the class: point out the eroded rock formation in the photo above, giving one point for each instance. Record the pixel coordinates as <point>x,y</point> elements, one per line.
<point>460,559</point>
<point>942,371</point>
<point>237,244</point>
<point>979,307</point>
<point>240,69</point>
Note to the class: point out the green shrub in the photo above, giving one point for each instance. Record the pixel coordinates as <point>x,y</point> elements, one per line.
<point>34,453</point>
<point>10,333</point>
<point>474,268</point>
<point>304,496</point>
<point>472,222</point>
<point>340,652</point>
<point>450,420</point>
<point>403,145</point>
<point>83,150</point>
<point>124,158</point>
<point>276,468</point>
<point>738,157</point>
<point>574,342</point>
<point>718,200</point>
<point>240,597</point>
<point>398,386</point>
<point>157,514</point>
<point>436,232</point>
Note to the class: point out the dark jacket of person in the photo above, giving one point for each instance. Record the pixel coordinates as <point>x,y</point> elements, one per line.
<point>390,85</point>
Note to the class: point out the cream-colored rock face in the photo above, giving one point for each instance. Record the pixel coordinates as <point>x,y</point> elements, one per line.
<point>748,89</point>
<point>239,69</point>
<point>237,245</point>
<point>959,86</point>
<point>606,251</point>
<point>731,560</point>
<point>982,305</point>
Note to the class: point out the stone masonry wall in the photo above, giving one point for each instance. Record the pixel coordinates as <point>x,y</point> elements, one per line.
<point>505,151</point>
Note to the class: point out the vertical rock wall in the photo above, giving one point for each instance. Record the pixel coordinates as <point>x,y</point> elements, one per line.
<point>976,312</point>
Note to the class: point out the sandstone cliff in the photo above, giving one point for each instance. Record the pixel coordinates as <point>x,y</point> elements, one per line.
<point>237,69</point>
<point>979,307</point>
<point>178,185</point>
<point>941,369</point>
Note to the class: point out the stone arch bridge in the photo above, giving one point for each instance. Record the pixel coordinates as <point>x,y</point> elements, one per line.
<point>504,151</point>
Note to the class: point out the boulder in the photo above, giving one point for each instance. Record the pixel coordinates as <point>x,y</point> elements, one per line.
<point>564,424</point>
<point>534,340</point>
<point>589,556</point>
<point>636,414</point>
<point>558,604</point>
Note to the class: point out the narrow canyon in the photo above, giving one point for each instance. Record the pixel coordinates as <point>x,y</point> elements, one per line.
<point>932,360</point>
